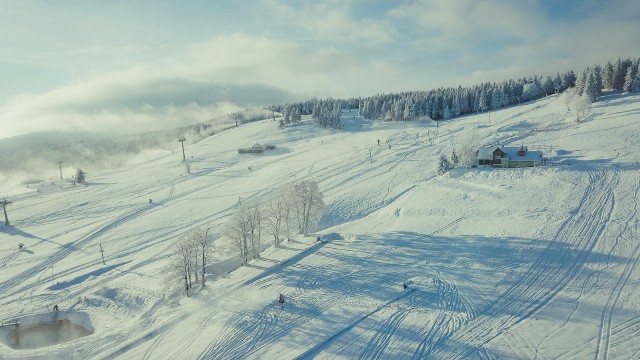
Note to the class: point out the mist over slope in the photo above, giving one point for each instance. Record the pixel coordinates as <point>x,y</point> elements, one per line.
<point>35,157</point>
<point>497,263</point>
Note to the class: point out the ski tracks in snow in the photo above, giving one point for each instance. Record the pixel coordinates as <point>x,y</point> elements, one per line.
<point>8,258</point>
<point>244,334</point>
<point>376,346</point>
<point>69,248</point>
<point>453,313</point>
<point>441,306</point>
<point>551,272</point>
<point>604,336</point>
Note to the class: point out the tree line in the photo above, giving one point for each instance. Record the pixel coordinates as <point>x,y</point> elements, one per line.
<point>448,102</point>
<point>621,75</point>
<point>325,112</point>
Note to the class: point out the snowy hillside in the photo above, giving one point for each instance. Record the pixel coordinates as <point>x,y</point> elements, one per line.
<point>496,263</point>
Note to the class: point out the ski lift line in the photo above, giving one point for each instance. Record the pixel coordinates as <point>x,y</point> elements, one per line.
<point>40,280</point>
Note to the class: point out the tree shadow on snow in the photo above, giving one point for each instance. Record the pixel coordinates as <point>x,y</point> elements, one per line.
<point>386,260</point>
<point>492,277</point>
<point>83,277</point>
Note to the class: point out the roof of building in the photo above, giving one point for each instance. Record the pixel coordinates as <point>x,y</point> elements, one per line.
<point>486,153</point>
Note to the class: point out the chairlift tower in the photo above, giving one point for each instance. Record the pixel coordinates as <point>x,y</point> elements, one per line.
<point>4,203</point>
<point>182,140</point>
<point>60,166</point>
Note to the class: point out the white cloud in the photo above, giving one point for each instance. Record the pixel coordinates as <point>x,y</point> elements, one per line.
<point>450,22</point>
<point>213,77</point>
<point>330,21</point>
<point>498,39</point>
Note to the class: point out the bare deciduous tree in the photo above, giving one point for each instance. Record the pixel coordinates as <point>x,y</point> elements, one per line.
<point>278,217</point>
<point>466,147</point>
<point>308,205</point>
<point>582,104</point>
<point>254,210</point>
<point>190,259</point>
<point>568,98</point>
<point>184,261</point>
<point>238,230</point>
<point>204,248</point>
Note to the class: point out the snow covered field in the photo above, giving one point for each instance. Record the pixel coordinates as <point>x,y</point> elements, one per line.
<point>500,263</point>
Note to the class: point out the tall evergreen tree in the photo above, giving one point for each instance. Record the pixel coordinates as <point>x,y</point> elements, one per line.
<point>591,86</point>
<point>629,79</point>
<point>457,103</point>
<point>597,73</point>
<point>80,176</point>
<point>496,98</point>
<point>607,76</point>
<point>547,85</point>
<point>569,80</point>
<point>581,80</point>
<point>446,114</point>
<point>483,101</point>
<point>443,165</point>
<point>619,72</point>
<point>557,83</point>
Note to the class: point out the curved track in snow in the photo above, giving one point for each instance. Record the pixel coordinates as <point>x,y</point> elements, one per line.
<point>556,267</point>
<point>244,334</point>
<point>14,284</point>
<point>604,336</point>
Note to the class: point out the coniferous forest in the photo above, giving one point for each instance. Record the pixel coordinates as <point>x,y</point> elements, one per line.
<point>447,103</point>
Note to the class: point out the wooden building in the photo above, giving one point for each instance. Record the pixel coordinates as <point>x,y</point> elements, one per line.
<point>509,157</point>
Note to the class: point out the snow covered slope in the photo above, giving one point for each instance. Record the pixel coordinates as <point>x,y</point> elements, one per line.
<point>498,263</point>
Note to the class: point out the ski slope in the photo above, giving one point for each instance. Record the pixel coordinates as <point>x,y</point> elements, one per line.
<point>498,263</point>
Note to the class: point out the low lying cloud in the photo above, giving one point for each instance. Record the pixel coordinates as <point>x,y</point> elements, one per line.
<point>38,114</point>
<point>138,99</point>
<point>215,77</point>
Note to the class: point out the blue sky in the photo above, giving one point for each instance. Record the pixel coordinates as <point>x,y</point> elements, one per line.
<point>123,66</point>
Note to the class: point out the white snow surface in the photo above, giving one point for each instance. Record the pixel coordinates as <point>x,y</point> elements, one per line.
<point>499,263</point>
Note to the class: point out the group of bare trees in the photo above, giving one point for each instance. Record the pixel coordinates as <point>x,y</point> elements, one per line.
<point>192,253</point>
<point>295,207</point>
<point>244,229</point>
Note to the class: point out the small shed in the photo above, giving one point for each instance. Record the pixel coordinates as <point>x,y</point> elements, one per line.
<point>256,149</point>
<point>490,155</point>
